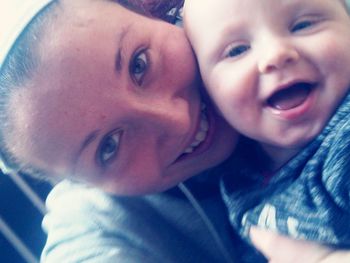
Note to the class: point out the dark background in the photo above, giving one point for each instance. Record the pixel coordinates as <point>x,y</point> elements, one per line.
<point>24,219</point>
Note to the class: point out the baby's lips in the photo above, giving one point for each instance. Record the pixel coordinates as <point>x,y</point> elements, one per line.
<point>290,97</point>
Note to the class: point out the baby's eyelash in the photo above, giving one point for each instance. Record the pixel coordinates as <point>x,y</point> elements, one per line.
<point>234,51</point>
<point>302,25</point>
<point>305,22</point>
<point>238,50</point>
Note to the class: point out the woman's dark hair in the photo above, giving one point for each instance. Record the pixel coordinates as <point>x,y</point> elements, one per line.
<point>25,57</point>
<point>162,9</point>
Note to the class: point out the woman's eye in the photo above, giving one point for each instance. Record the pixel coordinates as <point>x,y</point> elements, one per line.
<point>108,148</point>
<point>138,66</point>
<point>302,25</point>
<point>236,51</point>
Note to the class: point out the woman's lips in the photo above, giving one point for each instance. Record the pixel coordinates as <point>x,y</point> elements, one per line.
<point>201,132</point>
<point>200,136</point>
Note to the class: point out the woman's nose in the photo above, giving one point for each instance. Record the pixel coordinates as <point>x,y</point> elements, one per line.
<point>168,114</point>
<point>276,55</point>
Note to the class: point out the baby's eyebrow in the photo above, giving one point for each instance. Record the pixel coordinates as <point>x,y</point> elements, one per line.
<point>225,33</point>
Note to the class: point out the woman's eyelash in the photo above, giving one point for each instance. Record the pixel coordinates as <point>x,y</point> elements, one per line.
<point>139,65</point>
<point>108,148</point>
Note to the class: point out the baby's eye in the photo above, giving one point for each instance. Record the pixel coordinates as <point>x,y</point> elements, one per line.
<point>235,51</point>
<point>139,66</point>
<point>108,147</point>
<point>302,25</point>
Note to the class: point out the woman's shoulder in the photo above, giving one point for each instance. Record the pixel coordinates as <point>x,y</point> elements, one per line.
<point>163,225</point>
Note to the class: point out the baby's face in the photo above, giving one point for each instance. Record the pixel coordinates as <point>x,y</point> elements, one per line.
<point>276,69</point>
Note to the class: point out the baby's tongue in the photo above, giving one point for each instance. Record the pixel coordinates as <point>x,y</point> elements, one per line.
<point>290,98</point>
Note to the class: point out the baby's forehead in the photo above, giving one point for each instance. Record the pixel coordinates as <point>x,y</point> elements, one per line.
<point>201,9</point>
<point>207,17</point>
<point>199,15</point>
<point>205,21</point>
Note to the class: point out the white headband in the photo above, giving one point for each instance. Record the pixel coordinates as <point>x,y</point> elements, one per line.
<point>15,15</point>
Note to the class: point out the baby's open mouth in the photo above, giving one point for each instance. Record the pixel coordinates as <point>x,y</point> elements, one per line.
<point>290,97</point>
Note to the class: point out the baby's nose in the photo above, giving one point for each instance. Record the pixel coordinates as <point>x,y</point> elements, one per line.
<point>278,55</point>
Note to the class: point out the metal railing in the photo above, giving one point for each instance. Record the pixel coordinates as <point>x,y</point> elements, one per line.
<point>10,235</point>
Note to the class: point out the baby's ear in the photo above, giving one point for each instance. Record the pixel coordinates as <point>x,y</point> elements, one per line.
<point>187,5</point>
<point>184,12</point>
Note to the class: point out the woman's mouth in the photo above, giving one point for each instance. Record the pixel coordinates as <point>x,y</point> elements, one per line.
<point>201,132</point>
<point>200,136</point>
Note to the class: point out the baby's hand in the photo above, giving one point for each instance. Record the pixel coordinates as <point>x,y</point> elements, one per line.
<point>281,249</point>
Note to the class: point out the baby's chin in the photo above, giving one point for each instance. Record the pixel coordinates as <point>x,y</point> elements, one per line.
<point>289,148</point>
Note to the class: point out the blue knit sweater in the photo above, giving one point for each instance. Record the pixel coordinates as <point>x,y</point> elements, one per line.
<point>308,198</point>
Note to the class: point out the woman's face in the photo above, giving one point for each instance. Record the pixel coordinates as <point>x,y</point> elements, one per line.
<point>116,103</point>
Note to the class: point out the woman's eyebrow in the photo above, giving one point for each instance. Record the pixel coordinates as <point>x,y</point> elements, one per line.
<point>89,139</point>
<point>119,56</point>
